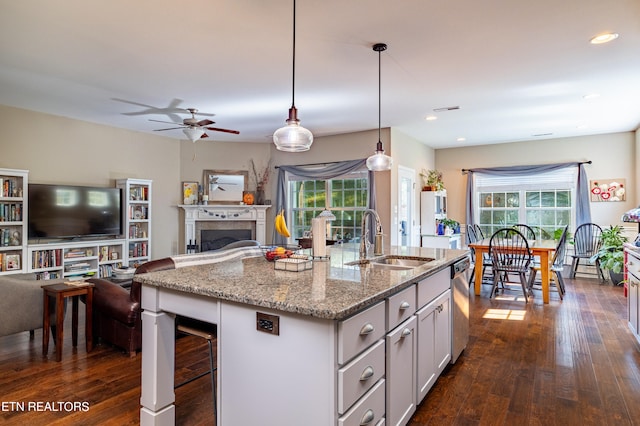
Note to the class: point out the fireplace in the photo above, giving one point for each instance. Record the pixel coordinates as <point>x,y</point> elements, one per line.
<point>213,239</point>
<point>230,223</point>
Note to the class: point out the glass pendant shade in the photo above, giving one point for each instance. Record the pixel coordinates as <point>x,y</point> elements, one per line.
<point>293,137</point>
<point>379,162</point>
<point>193,133</point>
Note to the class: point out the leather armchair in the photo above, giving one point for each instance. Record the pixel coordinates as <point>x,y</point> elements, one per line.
<point>117,311</point>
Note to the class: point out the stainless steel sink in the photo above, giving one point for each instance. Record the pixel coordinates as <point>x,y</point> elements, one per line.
<point>406,261</point>
<point>394,262</point>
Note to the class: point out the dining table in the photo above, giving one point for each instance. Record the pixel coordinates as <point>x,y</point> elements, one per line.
<point>544,249</point>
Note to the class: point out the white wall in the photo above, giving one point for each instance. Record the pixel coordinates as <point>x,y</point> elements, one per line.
<point>613,156</point>
<point>413,154</point>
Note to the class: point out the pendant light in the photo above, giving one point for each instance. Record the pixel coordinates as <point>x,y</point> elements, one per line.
<point>379,161</point>
<point>293,137</point>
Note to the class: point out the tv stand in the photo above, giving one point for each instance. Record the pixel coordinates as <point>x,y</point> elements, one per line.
<point>76,259</point>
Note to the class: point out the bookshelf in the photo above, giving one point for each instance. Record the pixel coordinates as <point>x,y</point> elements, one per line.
<point>76,260</point>
<point>136,219</point>
<point>13,220</point>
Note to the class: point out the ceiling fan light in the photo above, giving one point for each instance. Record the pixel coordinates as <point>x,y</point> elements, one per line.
<point>379,162</point>
<point>193,133</point>
<point>293,137</point>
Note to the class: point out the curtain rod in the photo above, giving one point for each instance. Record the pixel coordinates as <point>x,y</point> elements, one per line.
<point>313,164</point>
<point>579,162</point>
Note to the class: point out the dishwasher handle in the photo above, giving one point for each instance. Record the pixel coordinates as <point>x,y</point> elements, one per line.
<point>460,266</point>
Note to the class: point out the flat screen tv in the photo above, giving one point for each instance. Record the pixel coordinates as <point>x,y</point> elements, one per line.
<point>65,211</point>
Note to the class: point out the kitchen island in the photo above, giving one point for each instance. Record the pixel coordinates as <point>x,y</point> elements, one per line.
<point>288,342</point>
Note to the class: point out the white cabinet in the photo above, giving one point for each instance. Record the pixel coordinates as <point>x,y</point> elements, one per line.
<point>401,372</point>
<point>434,329</point>
<point>75,260</point>
<point>13,220</point>
<point>434,342</point>
<point>441,241</point>
<point>136,211</point>
<point>433,205</point>
<point>632,266</point>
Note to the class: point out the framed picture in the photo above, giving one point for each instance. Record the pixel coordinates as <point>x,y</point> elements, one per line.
<point>12,262</point>
<point>225,186</point>
<point>189,193</point>
<point>608,190</point>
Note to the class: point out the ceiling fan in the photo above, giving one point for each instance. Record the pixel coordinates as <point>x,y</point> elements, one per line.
<point>192,127</point>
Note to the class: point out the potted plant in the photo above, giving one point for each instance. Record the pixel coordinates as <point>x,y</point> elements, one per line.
<point>611,253</point>
<point>451,224</point>
<point>431,180</point>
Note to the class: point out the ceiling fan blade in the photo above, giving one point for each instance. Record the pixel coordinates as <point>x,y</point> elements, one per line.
<point>204,135</point>
<point>216,129</point>
<point>221,188</point>
<point>204,114</point>
<point>170,128</point>
<point>205,122</point>
<point>168,122</point>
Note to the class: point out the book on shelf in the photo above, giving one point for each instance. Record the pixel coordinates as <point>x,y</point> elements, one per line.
<point>9,187</point>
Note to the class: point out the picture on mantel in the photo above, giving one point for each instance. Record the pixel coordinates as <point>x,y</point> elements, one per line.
<point>608,190</point>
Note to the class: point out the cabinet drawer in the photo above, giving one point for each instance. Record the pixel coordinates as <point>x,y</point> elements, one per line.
<point>359,375</point>
<point>401,306</point>
<point>369,410</point>
<point>433,286</point>
<point>357,333</point>
<point>633,264</point>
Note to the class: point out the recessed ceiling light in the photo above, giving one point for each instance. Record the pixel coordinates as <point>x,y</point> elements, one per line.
<point>581,126</point>
<point>431,117</point>
<point>461,139</point>
<point>604,38</point>
<point>591,96</point>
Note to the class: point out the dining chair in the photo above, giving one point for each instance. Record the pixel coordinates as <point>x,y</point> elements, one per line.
<point>557,267</point>
<point>586,243</point>
<point>525,230</point>
<point>510,254</point>
<point>479,232</point>
<point>472,237</point>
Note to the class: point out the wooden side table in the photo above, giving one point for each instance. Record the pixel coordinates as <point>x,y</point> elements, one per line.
<point>60,292</point>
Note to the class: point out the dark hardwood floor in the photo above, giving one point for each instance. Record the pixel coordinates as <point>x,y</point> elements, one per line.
<point>570,362</point>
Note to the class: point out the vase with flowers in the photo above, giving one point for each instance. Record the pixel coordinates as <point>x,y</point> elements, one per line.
<point>260,180</point>
<point>431,180</point>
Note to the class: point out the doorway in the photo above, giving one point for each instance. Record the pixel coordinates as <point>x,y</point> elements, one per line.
<point>407,226</point>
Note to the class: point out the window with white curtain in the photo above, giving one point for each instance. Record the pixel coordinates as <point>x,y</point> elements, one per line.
<point>544,201</point>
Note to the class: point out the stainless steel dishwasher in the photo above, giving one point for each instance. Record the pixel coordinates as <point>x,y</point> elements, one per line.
<point>460,309</point>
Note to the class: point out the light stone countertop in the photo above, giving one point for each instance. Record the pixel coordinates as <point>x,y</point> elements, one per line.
<point>330,290</point>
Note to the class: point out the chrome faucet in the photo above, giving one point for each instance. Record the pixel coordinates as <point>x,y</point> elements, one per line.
<point>365,244</point>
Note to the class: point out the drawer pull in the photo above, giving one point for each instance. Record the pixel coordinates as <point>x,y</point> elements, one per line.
<point>405,332</point>
<point>367,418</point>
<point>366,329</point>
<point>404,305</point>
<point>367,373</point>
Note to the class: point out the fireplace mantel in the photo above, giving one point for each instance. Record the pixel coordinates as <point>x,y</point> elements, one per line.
<point>223,213</point>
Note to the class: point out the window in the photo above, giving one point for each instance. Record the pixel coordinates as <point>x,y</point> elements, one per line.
<point>543,201</point>
<point>346,196</point>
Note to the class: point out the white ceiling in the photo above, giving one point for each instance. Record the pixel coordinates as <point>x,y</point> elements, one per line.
<point>515,68</point>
